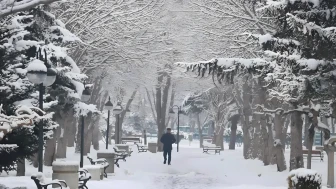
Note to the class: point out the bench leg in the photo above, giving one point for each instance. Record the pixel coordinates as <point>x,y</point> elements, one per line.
<point>105,174</point>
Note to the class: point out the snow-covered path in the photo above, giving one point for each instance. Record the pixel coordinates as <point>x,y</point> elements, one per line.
<point>185,171</point>
<point>190,169</point>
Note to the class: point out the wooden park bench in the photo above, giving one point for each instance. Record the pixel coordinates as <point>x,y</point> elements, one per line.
<point>100,161</point>
<point>121,151</point>
<point>134,140</point>
<point>84,177</point>
<point>42,184</point>
<point>217,149</point>
<point>315,153</point>
<point>142,148</point>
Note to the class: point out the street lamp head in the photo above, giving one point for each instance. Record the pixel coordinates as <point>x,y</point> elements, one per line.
<point>109,105</point>
<point>86,95</point>
<point>36,72</point>
<point>171,111</point>
<point>51,77</point>
<point>118,108</point>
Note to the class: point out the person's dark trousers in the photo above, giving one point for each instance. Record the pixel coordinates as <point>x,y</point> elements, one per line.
<point>165,153</point>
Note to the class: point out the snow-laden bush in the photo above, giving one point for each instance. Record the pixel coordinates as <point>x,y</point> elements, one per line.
<point>304,179</point>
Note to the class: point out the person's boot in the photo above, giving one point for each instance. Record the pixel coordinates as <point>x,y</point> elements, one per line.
<point>164,162</point>
<point>169,163</point>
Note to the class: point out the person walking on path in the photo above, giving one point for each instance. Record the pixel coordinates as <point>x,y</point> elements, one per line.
<point>167,140</point>
<point>190,137</point>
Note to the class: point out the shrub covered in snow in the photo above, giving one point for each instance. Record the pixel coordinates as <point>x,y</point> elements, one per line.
<point>304,179</point>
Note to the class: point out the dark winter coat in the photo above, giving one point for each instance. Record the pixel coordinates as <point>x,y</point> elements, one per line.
<point>167,140</point>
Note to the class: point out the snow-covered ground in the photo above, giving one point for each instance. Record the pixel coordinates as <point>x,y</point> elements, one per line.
<point>190,169</point>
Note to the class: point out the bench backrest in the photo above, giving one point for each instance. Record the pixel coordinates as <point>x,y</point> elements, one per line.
<point>131,138</point>
<point>313,152</point>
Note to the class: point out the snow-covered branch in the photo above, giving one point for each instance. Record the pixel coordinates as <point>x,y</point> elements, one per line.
<point>11,7</point>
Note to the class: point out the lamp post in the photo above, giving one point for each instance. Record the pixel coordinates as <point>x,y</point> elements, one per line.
<point>117,110</point>
<point>108,107</point>
<point>171,111</point>
<point>84,98</point>
<point>41,74</point>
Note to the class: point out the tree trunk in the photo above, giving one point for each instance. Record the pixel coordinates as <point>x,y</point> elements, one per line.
<point>306,132</point>
<point>214,138</point>
<point>220,138</point>
<point>158,111</point>
<point>266,131</point>
<point>34,159</point>
<point>95,137</point>
<point>296,156</point>
<point>71,134</point>
<point>311,124</point>
<point>92,119</point>
<point>246,111</point>
<point>246,137</point>
<point>116,131</point>
<point>61,143</point>
<point>159,144</point>
<point>257,142</point>
<point>310,141</point>
<point>87,137</point>
<point>63,130</point>
<point>110,137</point>
<point>50,150</point>
<point>332,121</point>
<point>199,130</point>
<point>309,132</point>
<point>123,113</point>
<point>87,142</point>
<point>78,138</point>
<point>21,168</point>
<point>279,144</point>
<point>233,135</point>
<point>284,131</point>
<point>161,103</point>
<point>165,94</point>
